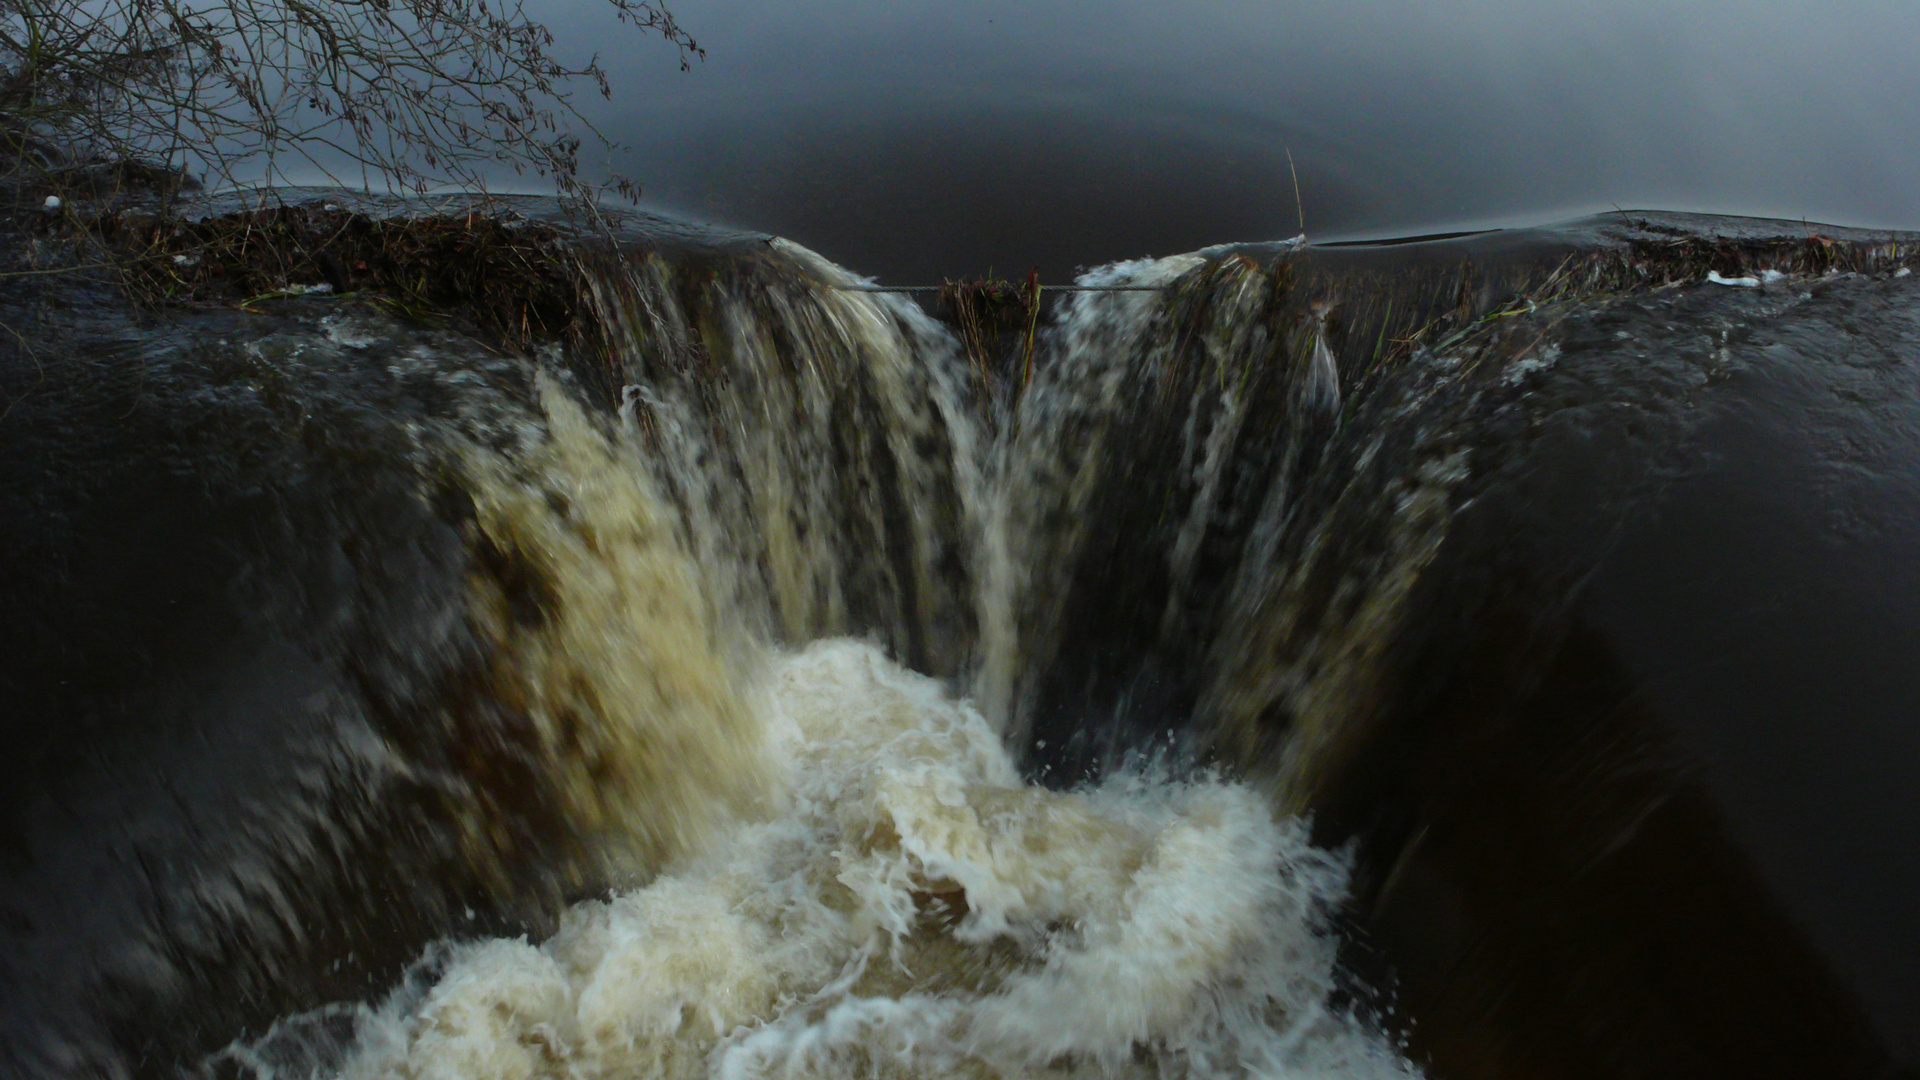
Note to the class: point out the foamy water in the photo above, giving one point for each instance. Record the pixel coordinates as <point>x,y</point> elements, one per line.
<point>907,907</point>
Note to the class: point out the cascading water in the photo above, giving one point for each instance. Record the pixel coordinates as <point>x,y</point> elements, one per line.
<point>893,899</point>
<point>747,690</point>
<point>815,441</point>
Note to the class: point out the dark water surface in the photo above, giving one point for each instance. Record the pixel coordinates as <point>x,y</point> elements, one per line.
<point>1769,603</point>
<point>919,140</point>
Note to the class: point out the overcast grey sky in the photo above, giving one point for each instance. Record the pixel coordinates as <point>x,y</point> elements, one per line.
<point>907,136</point>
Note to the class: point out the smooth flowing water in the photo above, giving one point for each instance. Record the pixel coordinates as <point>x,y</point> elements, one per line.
<point>917,140</point>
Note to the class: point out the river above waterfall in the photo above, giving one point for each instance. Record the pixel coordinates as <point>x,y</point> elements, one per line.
<point>918,141</point>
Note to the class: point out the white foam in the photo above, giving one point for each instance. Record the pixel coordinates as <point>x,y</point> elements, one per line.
<point>910,908</point>
<point>348,332</point>
<point>1534,361</point>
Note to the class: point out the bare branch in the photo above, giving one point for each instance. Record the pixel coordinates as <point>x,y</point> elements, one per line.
<point>418,93</point>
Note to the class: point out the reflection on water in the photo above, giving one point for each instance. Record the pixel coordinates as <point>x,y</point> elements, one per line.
<point>919,140</point>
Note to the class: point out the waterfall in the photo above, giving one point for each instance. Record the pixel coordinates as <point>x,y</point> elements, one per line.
<point>768,679</point>
<point>1069,557</point>
<point>787,462</point>
<point>817,442</point>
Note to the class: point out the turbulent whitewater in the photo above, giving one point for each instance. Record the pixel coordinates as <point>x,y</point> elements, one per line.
<point>903,905</point>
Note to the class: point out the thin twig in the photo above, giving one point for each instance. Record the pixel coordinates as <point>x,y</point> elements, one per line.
<point>1299,207</point>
